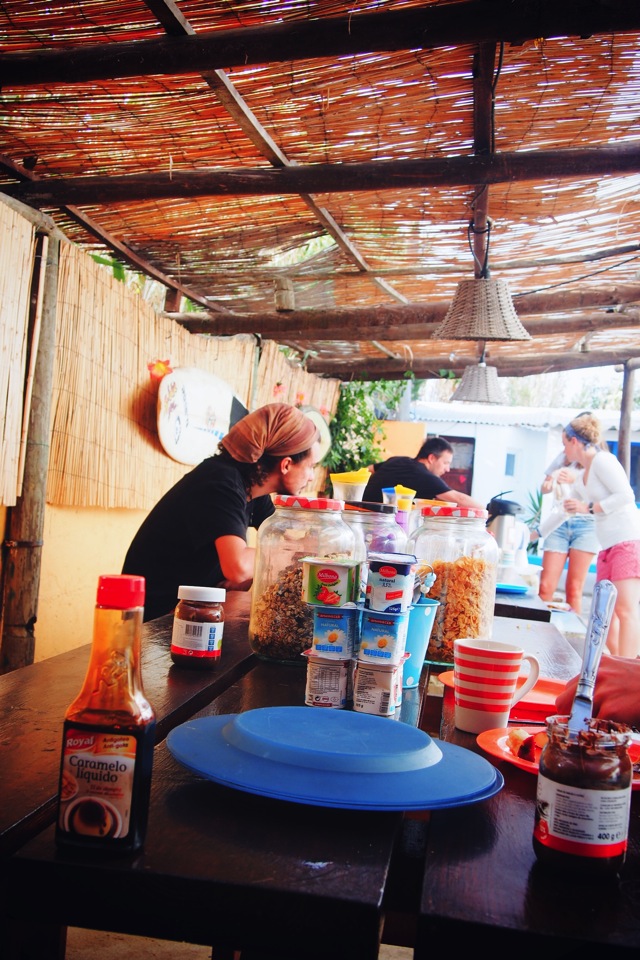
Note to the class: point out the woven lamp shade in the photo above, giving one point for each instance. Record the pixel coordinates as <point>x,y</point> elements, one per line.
<point>482,309</point>
<point>479,384</point>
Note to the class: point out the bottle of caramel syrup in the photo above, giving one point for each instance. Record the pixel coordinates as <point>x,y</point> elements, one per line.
<point>109,732</point>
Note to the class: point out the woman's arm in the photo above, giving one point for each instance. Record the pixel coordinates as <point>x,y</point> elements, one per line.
<point>608,474</point>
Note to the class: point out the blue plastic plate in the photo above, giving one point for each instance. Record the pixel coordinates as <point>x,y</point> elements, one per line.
<point>511,588</point>
<point>333,758</point>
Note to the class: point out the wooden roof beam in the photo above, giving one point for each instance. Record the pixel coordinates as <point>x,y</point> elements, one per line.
<point>429,368</point>
<point>427,27</point>
<point>383,322</point>
<point>571,164</point>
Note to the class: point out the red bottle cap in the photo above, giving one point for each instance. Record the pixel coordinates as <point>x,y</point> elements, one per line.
<point>120,591</point>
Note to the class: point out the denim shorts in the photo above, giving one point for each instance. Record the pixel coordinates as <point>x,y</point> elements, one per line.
<point>576,533</point>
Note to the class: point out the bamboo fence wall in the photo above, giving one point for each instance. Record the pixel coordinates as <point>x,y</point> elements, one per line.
<point>278,379</point>
<point>17,249</point>
<point>105,450</point>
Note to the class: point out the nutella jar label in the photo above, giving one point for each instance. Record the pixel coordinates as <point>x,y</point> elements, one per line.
<point>191,638</point>
<point>586,823</point>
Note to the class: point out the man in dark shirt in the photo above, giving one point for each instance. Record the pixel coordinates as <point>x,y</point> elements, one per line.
<point>421,473</point>
<point>197,532</point>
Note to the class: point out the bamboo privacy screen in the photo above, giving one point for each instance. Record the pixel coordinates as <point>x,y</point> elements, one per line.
<point>279,379</point>
<point>17,248</point>
<point>104,447</point>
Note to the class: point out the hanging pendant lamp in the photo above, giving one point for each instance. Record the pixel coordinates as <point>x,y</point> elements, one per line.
<point>481,309</point>
<point>479,384</point>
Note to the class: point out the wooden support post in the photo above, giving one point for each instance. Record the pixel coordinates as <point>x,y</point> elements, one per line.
<point>626,405</point>
<point>25,521</point>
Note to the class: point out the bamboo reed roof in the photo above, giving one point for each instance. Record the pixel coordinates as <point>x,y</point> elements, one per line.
<point>343,161</point>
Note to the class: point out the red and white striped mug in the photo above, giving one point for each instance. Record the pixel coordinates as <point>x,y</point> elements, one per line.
<point>485,680</point>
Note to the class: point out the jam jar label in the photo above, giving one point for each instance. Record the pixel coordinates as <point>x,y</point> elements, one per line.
<point>586,823</point>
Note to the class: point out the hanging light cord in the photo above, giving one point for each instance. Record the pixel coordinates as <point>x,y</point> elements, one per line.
<point>473,231</point>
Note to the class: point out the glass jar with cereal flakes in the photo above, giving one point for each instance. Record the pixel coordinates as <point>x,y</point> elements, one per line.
<point>464,558</point>
<point>281,622</point>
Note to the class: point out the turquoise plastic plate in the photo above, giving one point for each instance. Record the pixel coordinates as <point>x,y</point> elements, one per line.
<point>333,758</point>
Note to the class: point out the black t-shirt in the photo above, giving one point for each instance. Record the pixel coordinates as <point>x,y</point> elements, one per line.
<point>176,542</point>
<point>408,472</point>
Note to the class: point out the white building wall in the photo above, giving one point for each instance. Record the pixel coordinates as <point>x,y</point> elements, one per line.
<point>532,435</point>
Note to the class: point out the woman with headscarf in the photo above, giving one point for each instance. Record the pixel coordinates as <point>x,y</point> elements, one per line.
<point>197,533</point>
<point>603,489</point>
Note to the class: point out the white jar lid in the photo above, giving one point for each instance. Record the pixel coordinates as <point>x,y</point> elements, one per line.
<point>203,594</point>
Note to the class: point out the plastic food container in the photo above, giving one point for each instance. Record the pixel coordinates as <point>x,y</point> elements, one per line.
<point>328,681</point>
<point>376,531</point>
<point>331,583</point>
<point>383,636</point>
<point>281,622</point>
<point>375,688</point>
<point>390,581</point>
<point>336,632</point>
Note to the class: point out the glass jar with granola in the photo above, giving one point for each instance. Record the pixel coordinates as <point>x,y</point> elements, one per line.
<point>281,623</point>
<point>464,558</point>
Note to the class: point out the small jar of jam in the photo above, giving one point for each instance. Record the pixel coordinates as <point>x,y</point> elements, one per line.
<point>198,624</point>
<point>583,798</point>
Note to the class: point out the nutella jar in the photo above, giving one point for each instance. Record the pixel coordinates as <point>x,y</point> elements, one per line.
<point>198,625</point>
<point>583,798</point>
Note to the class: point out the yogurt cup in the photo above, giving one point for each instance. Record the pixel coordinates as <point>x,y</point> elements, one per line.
<point>390,581</point>
<point>375,688</point>
<point>383,636</point>
<point>330,583</point>
<point>335,632</point>
<point>328,682</point>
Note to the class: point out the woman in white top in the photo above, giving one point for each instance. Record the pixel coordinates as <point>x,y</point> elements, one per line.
<point>603,489</point>
<point>566,538</point>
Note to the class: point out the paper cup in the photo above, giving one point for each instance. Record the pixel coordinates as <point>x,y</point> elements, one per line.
<point>485,681</point>
<point>421,617</point>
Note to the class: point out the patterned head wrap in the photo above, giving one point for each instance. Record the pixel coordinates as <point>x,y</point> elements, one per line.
<point>572,433</point>
<point>277,429</point>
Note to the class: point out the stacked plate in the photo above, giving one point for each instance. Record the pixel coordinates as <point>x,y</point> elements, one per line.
<point>333,758</point>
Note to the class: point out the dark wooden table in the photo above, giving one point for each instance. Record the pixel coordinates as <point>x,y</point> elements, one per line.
<point>220,867</point>
<point>483,886</point>
<point>242,872</point>
<point>33,701</point>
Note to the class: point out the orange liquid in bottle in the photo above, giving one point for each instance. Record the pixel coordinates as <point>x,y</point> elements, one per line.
<point>109,732</point>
